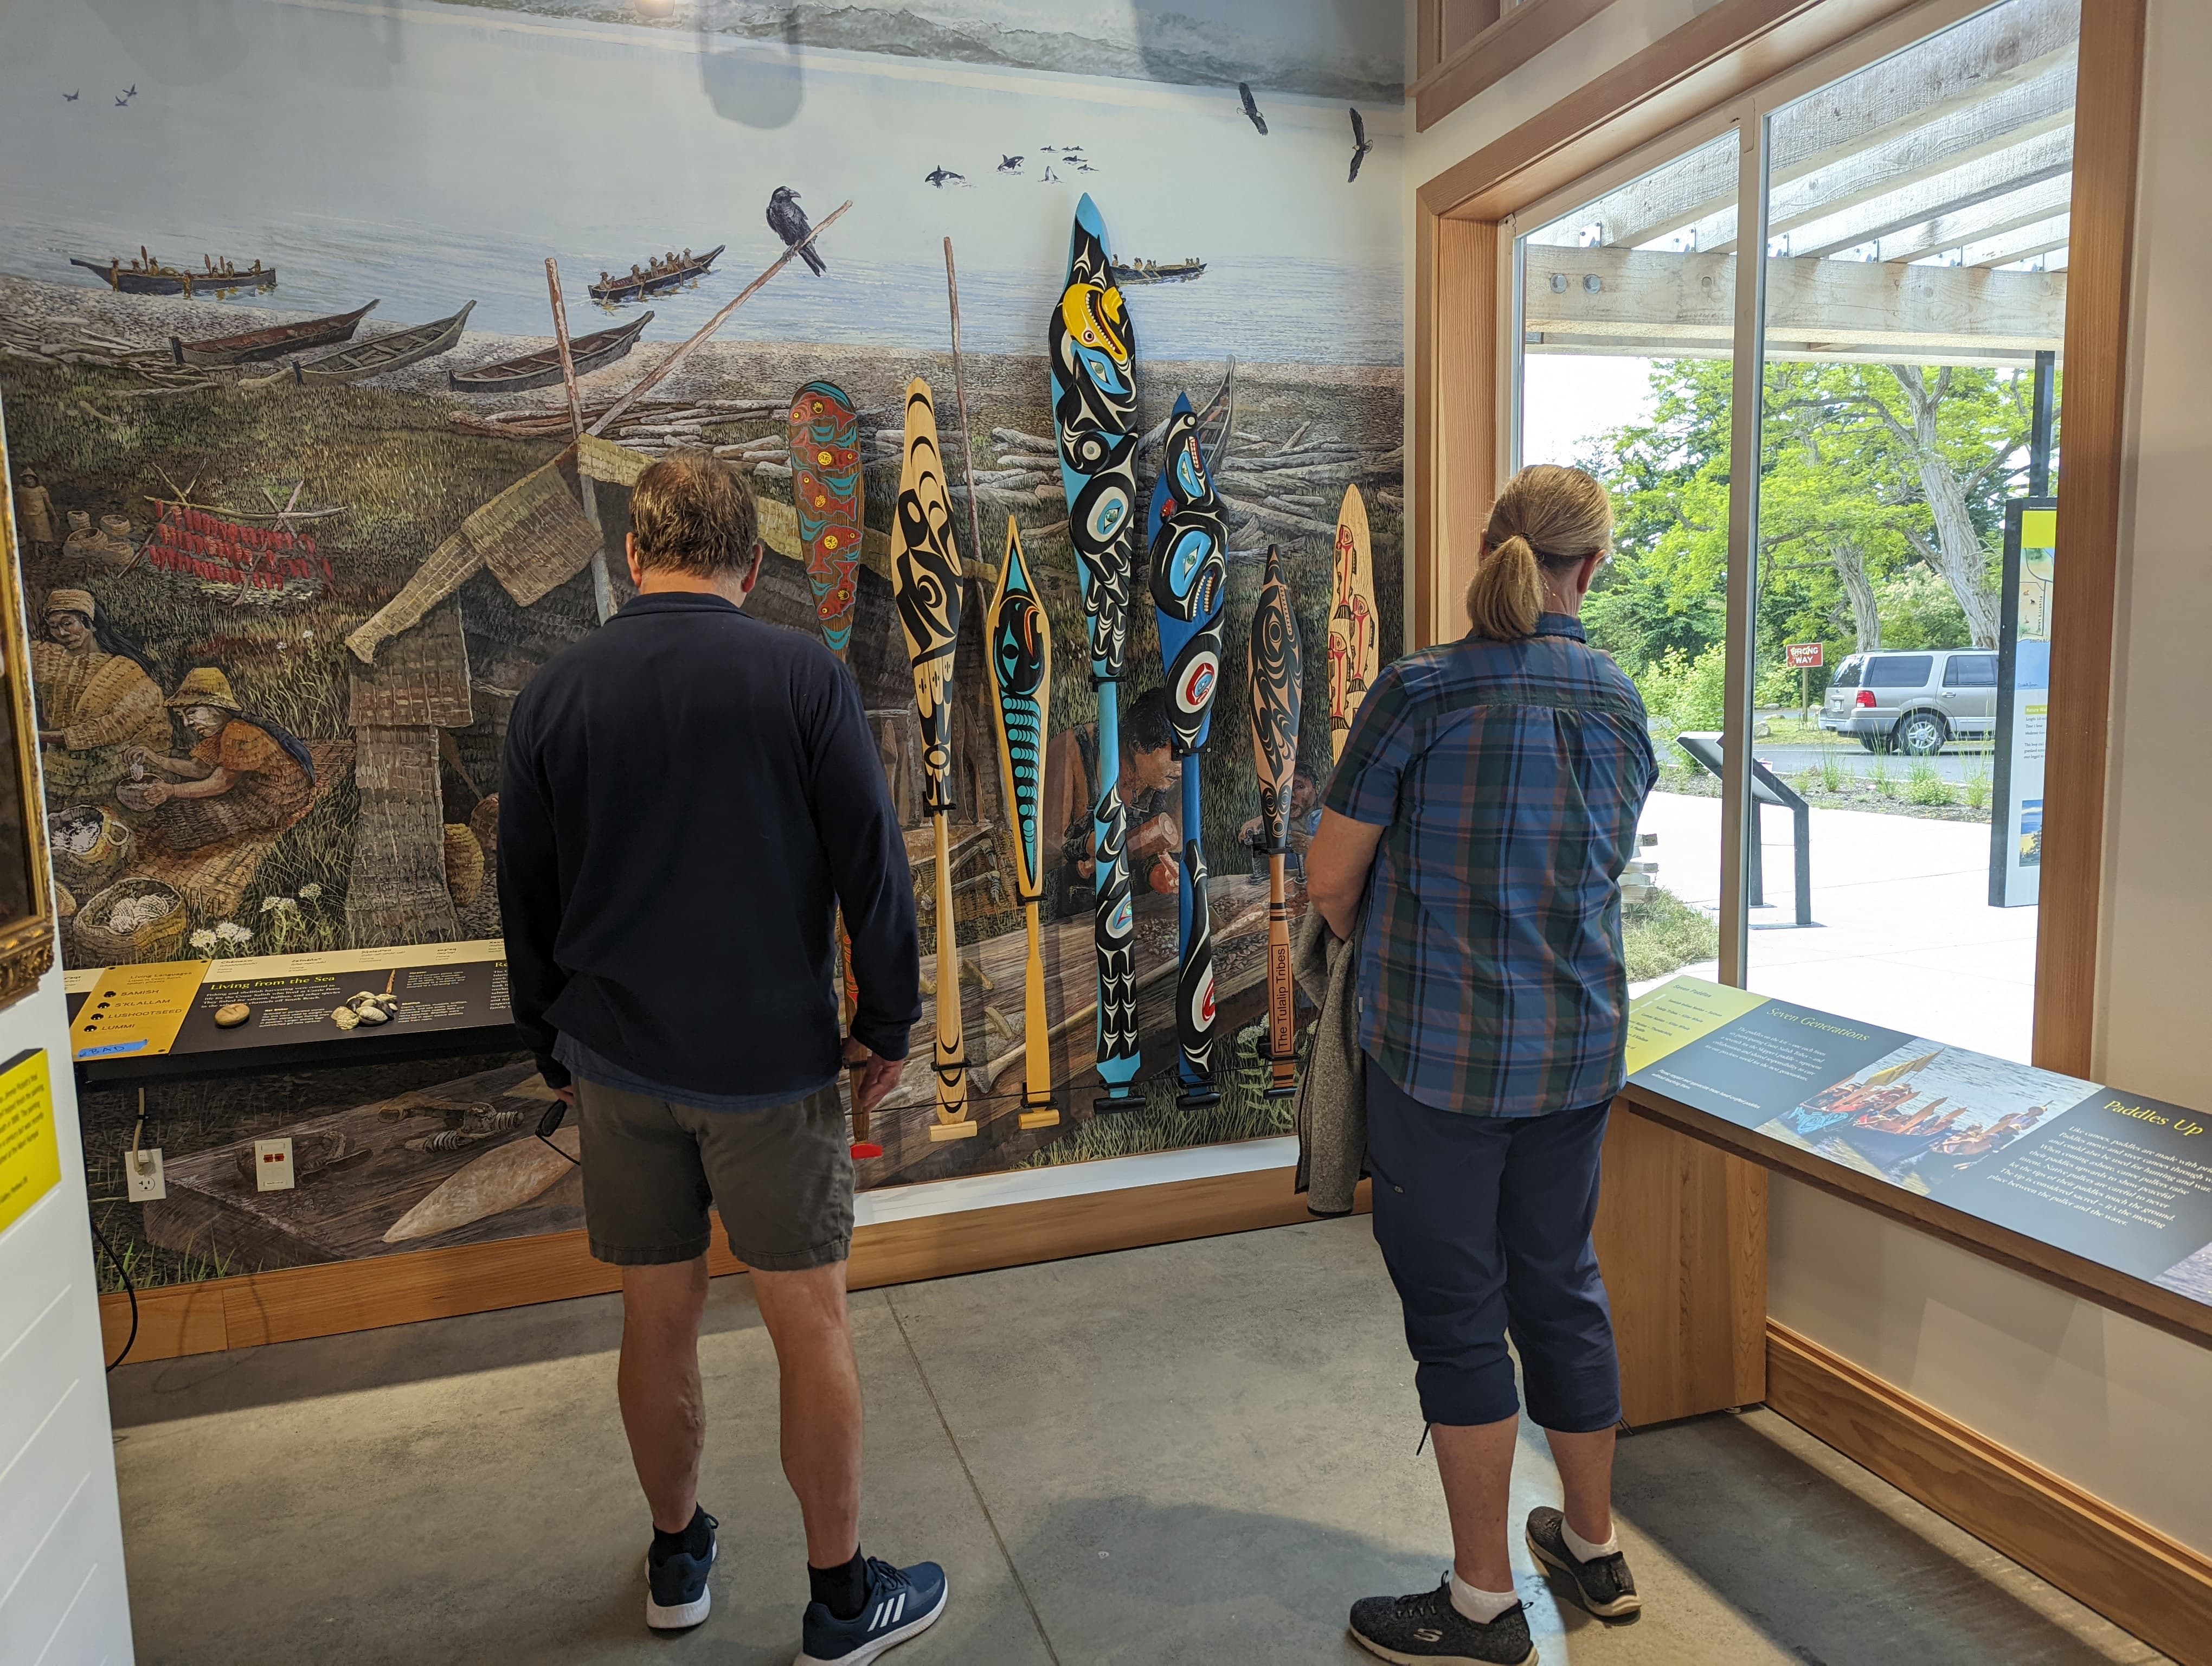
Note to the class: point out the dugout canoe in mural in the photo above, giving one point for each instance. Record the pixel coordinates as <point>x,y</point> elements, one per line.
<point>376,550</point>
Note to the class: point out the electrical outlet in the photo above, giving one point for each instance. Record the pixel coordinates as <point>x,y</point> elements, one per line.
<point>272,1165</point>
<point>143,1177</point>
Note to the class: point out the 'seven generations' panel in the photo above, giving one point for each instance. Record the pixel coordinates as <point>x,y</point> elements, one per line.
<point>305,497</point>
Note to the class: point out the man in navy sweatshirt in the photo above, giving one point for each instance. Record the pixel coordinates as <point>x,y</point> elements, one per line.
<point>690,796</point>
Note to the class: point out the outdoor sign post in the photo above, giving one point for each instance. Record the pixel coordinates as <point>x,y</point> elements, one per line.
<point>1807,658</point>
<point>2023,702</point>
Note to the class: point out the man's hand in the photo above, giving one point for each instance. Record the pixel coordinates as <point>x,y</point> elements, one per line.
<point>873,1075</point>
<point>567,1095</point>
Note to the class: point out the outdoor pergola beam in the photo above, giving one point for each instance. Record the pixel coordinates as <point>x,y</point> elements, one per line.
<point>1823,352</point>
<point>2020,243</point>
<point>1987,83</point>
<point>2048,157</point>
<point>1980,222</point>
<point>1649,303</point>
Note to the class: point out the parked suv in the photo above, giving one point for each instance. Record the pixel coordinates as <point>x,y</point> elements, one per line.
<point>1914,702</point>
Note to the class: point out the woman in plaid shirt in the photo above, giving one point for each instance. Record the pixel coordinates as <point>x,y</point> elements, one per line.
<point>1483,810</point>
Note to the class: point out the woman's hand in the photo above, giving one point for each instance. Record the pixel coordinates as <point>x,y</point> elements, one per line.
<point>1337,867</point>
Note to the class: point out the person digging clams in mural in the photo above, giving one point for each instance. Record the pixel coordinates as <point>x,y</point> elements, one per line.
<point>690,796</point>
<point>247,775</point>
<point>1151,777</point>
<point>97,698</point>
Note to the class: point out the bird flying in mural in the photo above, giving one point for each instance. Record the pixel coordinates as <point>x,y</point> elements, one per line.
<point>1010,164</point>
<point>788,221</point>
<point>1251,107</point>
<point>71,97</point>
<point>1360,146</point>
<point>132,91</point>
<point>939,176</point>
<point>119,103</point>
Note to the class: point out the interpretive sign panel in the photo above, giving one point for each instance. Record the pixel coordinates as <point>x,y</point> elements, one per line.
<point>237,1005</point>
<point>2115,1178</point>
<point>2023,702</point>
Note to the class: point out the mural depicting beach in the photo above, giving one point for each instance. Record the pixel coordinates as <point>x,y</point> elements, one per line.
<point>297,357</point>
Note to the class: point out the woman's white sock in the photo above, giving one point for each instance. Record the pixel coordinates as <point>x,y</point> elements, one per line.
<point>1582,1550</point>
<point>1481,1606</point>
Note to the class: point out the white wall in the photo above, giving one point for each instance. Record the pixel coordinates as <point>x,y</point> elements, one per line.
<point>61,1596</point>
<point>2113,1406</point>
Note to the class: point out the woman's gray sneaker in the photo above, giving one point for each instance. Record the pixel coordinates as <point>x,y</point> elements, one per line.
<point>1426,1630</point>
<point>1602,1584</point>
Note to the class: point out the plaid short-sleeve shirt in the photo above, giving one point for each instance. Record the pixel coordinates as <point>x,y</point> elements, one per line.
<point>1511,777</point>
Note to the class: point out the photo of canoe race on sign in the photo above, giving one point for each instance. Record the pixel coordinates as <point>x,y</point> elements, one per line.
<point>319,454</point>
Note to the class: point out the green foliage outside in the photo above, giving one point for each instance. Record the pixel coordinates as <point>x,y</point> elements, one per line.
<point>1660,933</point>
<point>1880,523</point>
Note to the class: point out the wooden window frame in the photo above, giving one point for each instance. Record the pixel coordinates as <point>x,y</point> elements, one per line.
<point>1746,54</point>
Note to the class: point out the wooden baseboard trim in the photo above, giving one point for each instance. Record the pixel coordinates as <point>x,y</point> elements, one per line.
<point>2152,1586</point>
<point>301,1302</point>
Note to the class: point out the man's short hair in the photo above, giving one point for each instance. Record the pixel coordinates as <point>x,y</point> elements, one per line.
<point>1145,725</point>
<point>693,513</point>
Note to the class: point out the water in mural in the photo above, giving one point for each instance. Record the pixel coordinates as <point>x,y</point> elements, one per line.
<point>301,509</point>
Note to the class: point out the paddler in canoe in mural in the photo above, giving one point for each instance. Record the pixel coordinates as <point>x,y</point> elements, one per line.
<point>247,775</point>
<point>97,698</point>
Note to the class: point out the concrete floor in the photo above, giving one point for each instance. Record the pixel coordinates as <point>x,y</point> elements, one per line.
<point>1202,1452</point>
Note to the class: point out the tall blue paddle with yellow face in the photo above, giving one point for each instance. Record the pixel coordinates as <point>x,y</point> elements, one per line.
<point>1190,577</point>
<point>1092,351</point>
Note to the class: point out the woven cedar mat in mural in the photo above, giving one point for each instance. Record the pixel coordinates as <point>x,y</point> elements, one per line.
<point>420,677</point>
<point>214,879</point>
<point>397,892</point>
<point>534,536</point>
<point>342,1212</point>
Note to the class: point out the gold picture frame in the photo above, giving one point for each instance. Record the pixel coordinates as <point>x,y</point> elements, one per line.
<point>27,890</point>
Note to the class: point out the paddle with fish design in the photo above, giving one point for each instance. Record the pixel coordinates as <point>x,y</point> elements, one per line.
<point>1190,582</point>
<point>822,434</point>
<point>1276,671</point>
<point>926,584</point>
<point>1351,633</point>
<point>825,435</point>
<point>1091,349</point>
<point>1020,644</point>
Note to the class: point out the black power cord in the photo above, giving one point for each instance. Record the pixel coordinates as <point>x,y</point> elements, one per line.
<point>129,1289</point>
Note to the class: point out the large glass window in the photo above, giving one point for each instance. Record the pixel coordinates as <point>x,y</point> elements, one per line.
<point>1626,327</point>
<point>1882,605</point>
<point>1916,224</point>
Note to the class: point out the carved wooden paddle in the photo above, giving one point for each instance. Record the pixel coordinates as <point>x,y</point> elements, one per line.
<point>1276,670</point>
<point>1019,639</point>
<point>926,583</point>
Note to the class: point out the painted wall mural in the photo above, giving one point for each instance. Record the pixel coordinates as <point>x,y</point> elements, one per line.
<point>303,507</point>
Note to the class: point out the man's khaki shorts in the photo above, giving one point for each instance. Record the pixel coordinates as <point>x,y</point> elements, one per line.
<point>780,1179</point>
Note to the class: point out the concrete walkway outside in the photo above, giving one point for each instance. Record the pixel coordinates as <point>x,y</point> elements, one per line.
<point>1903,934</point>
<point>1197,1453</point>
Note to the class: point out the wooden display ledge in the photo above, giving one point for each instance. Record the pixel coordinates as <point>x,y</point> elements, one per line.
<point>1681,1234</point>
<point>298,1302</point>
<point>2152,1305</point>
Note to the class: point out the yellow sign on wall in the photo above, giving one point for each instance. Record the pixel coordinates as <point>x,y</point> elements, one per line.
<point>30,1157</point>
<point>136,1010</point>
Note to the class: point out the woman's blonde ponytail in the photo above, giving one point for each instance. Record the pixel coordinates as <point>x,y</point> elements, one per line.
<point>1547,518</point>
<point>1505,597</point>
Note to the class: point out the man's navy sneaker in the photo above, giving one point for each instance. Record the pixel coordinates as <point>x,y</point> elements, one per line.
<point>676,1586</point>
<point>902,1603</point>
